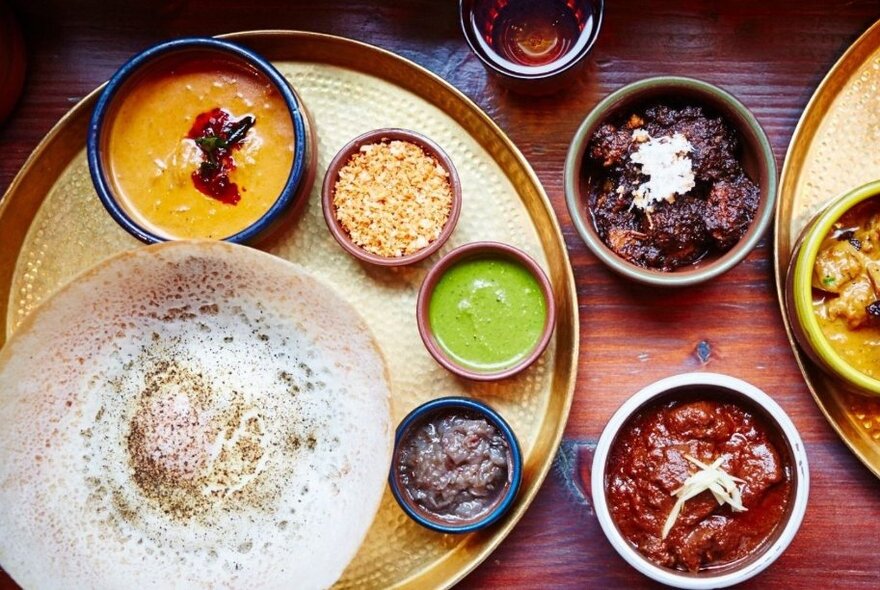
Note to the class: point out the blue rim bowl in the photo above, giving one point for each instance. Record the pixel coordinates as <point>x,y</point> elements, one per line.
<point>437,406</point>
<point>98,135</point>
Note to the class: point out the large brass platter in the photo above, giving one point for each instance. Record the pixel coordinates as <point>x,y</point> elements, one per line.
<point>53,226</point>
<point>835,148</point>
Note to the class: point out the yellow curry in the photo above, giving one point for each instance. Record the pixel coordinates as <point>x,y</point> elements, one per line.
<point>200,149</point>
<point>846,282</point>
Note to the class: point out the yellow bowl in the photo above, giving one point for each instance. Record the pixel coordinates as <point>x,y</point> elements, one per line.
<point>799,293</point>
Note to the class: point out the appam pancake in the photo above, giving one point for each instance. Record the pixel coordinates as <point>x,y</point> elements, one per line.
<point>190,415</point>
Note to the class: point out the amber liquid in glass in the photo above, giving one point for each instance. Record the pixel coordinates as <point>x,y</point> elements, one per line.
<point>533,32</point>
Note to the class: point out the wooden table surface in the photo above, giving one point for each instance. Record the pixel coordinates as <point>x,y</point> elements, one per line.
<point>771,54</point>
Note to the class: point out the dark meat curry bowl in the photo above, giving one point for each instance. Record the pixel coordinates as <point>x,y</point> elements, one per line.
<point>584,177</point>
<point>764,431</point>
<point>845,347</point>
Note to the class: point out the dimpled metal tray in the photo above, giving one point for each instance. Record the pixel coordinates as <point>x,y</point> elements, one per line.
<point>835,148</point>
<point>54,227</point>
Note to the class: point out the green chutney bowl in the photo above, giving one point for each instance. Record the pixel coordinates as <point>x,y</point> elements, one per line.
<point>799,293</point>
<point>756,157</point>
<point>483,251</point>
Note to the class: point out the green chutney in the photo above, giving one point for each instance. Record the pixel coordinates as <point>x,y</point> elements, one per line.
<point>487,314</point>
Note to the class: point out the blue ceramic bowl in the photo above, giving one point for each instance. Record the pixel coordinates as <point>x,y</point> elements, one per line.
<point>439,407</point>
<point>98,134</point>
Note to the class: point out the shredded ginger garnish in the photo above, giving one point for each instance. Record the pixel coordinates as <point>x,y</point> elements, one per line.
<point>665,161</point>
<point>709,477</point>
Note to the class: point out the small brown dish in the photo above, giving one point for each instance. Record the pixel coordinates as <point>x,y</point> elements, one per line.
<point>485,311</point>
<point>386,139</point>
<point>673,225</point>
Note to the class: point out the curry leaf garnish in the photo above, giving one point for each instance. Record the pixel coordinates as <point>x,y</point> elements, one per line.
<point>211,143</point>
<point>239,129</point>
<point>218,135</point>
<point>209,167</point>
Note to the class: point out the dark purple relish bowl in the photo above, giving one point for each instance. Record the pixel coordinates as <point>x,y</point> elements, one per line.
<point>438,408</point>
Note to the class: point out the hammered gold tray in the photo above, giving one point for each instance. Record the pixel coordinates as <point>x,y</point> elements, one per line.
<point>835,148</point>
<point>53,227</point>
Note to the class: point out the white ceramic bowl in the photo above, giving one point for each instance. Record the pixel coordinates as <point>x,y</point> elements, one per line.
<point>776,417</point>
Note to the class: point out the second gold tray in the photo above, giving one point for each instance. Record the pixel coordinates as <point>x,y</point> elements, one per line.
<point>53,226</point>
<point>833,150</point>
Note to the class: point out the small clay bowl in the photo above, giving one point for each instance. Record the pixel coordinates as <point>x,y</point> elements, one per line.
<point>479,19</point>
<point>342,157</point>
<point>483,250</point>
<point>786,439</point>
<point>192,50</point>
<point>799,293</point>
<point>755,155</point>
<point>443,406</point>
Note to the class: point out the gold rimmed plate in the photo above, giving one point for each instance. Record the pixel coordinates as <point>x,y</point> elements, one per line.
<point>833,150</point>
<point>54,226</point>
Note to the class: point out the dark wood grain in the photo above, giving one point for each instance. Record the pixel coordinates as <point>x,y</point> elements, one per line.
<point>771,54</point>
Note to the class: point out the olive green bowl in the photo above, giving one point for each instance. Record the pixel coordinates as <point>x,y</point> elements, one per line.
<point>799,293</point>
<point>755,155</point>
